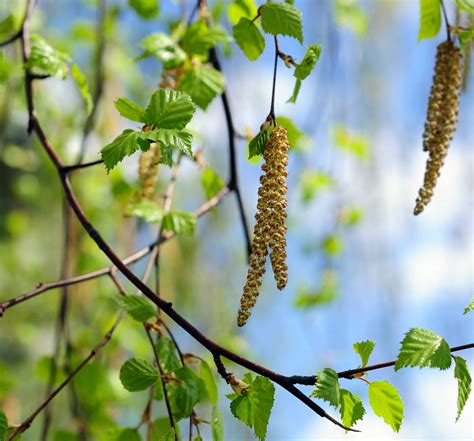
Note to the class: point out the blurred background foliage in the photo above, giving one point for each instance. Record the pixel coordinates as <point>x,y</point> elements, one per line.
<point>360,265</point>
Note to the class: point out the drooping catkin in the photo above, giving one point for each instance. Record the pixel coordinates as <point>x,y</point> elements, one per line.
<point>442,116</point>
<point>148,171</point>
<point>270,228</point>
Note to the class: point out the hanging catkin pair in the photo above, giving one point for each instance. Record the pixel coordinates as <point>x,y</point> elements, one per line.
<point>442,116</point>
<point>270,227</point>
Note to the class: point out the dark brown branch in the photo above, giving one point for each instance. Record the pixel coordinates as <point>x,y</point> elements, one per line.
<point>271,115</point>
<point>69,168</point>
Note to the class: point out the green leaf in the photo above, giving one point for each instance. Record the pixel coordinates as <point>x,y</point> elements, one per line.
<point>137,374</point>
<point>209,379</point>
<point>296,92</point>
<point>332,245</point>
<point>351,408</point>
<point>310,59</point>
<point>241,8</point>
<point>169,109</point>
<point>211,182</point>
<point>129,435</point>
<point>8,26</point>
<point>349,14</point>
<point>297,139</point>
<point>364,349</point>
<point>466,5</point>
<point>162,426</point>
<point>81,81</point>
<point>203,83</point>
<point>313,183</point>
<point>249,38</point>
<point>3,426</point>
<point>177,139</point>
<point>180,222</point>
<point>64,435</point>
<point>138,306</point>
<point>125,144</point>
<point>258,143</point>
<point>169,358</point>
<point>327,387</point>
<point>461,373</point>
<point>254,408</point>
<point>145,209</point>
<point>349,142</point>
<point>430,18</point>
<point>469,307</point>
<point>326,292</point>
<point>146,9</point>
<point>423,348</point>
<point>170,435</point>
<point>350,216</point>
<point>164,49</point>
<point>386,403</point>
<point>128,109</point>
<point>45,60</point>
<point>217,425</point>
<point>199,39</point>
<point>185,392</point>
<point>282,19</point>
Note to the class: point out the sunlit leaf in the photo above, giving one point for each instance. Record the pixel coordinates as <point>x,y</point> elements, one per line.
<point>130,110</point>
<point>138,306</point>
<point>81,81</point>
<point>282,19</point>
<point>45,60</point>
<point>469,307</point>
<point>170,109</point>
<point>125,144</point>
<point>164,48</point>
<point>203,84</point>
<point>430,18</point>
<point>145,209</point>
<point>351,408</point>
<point>364,349</point>
<point>386,403</point>
<point>211,182</point>
<point>241,8</point>
<point>327,387</point>
<point>180,222</point>
<point>461,373</point>
<point>249,38</point>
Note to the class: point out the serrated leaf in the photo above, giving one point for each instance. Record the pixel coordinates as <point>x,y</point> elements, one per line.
<point>249,38</point>
<point>124,145</point>
<point>466,5</point>
<point>129,435</point>
<point>146,9</point>
<point>242,409</point>
<point>217,425</point>
<point>45,60</point>
<point>138,306</point>
<point>185,392</point>
<point>180,222</point>
<point>164,49</point>
<point>241,8</point>
<point>430,18</point>
<point>203,84</point>
<point>461,373</point>
<point>304,69</point>
<point>199,38</point>
<point>282,19</point>
<point>176,139</point>
<point>364,349</point>
<point>169,109</point>
<point>258,143</point>
<point>386,403</point>
<point>469,307</point>
<point>81,81</point>
<point>351,408</point>
<point>327,387</point>
<point>296,92</point>
<point>209,379</point>
<point>211,182</point>
<point>145,209</point>
<point>423,348</point>
<point>130,110</point>
<point>137,374</point>
<point>3,426</point>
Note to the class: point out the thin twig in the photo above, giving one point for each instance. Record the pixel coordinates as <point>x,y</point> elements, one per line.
<point>271,114</point>
<point>69,168</point>
<point>446,21</point>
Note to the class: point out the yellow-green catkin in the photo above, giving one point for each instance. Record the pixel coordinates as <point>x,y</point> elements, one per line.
<point>270,227</point>
<point>148,171</point>
<point>442,116</point>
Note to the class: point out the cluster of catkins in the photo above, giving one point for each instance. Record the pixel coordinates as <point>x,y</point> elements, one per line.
<point>270,229</point>
<point>442,116</point>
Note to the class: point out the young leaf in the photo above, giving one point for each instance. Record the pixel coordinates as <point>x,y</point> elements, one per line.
<point>164,49</point>
<point>169,358</point>
<point>199,38</point>
<point>45,60</point>
<point>422,347</point>
<point>148,210</point>
<point>3,426</point>
<point>129,435</point>
<point>310,59</point>
<point>203,84</point>
<point>178,139</point>
<point>351,408</point>
<point>8,26</point>
<point>296,91</point>
<point>217,425</point>
<point>124,145</point>
<point>249,38</point>
<point>469,307</point>
<point>258,143</point>
<point>138,306</point>
<point>169,109</point>
<point>364,349</point>
<point>211,182</point>
<point>282,19</point>
<point>180,222</point>
<point>430,18</point>
<point>209,379</point>
<point>327,387</point>
<point>137,374</point>
<point>461,373</point>
<point>81,81</point>
<point>146,9</point>
<point>241,8</point>
<point>386,403</point>
<point>128,109</point>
